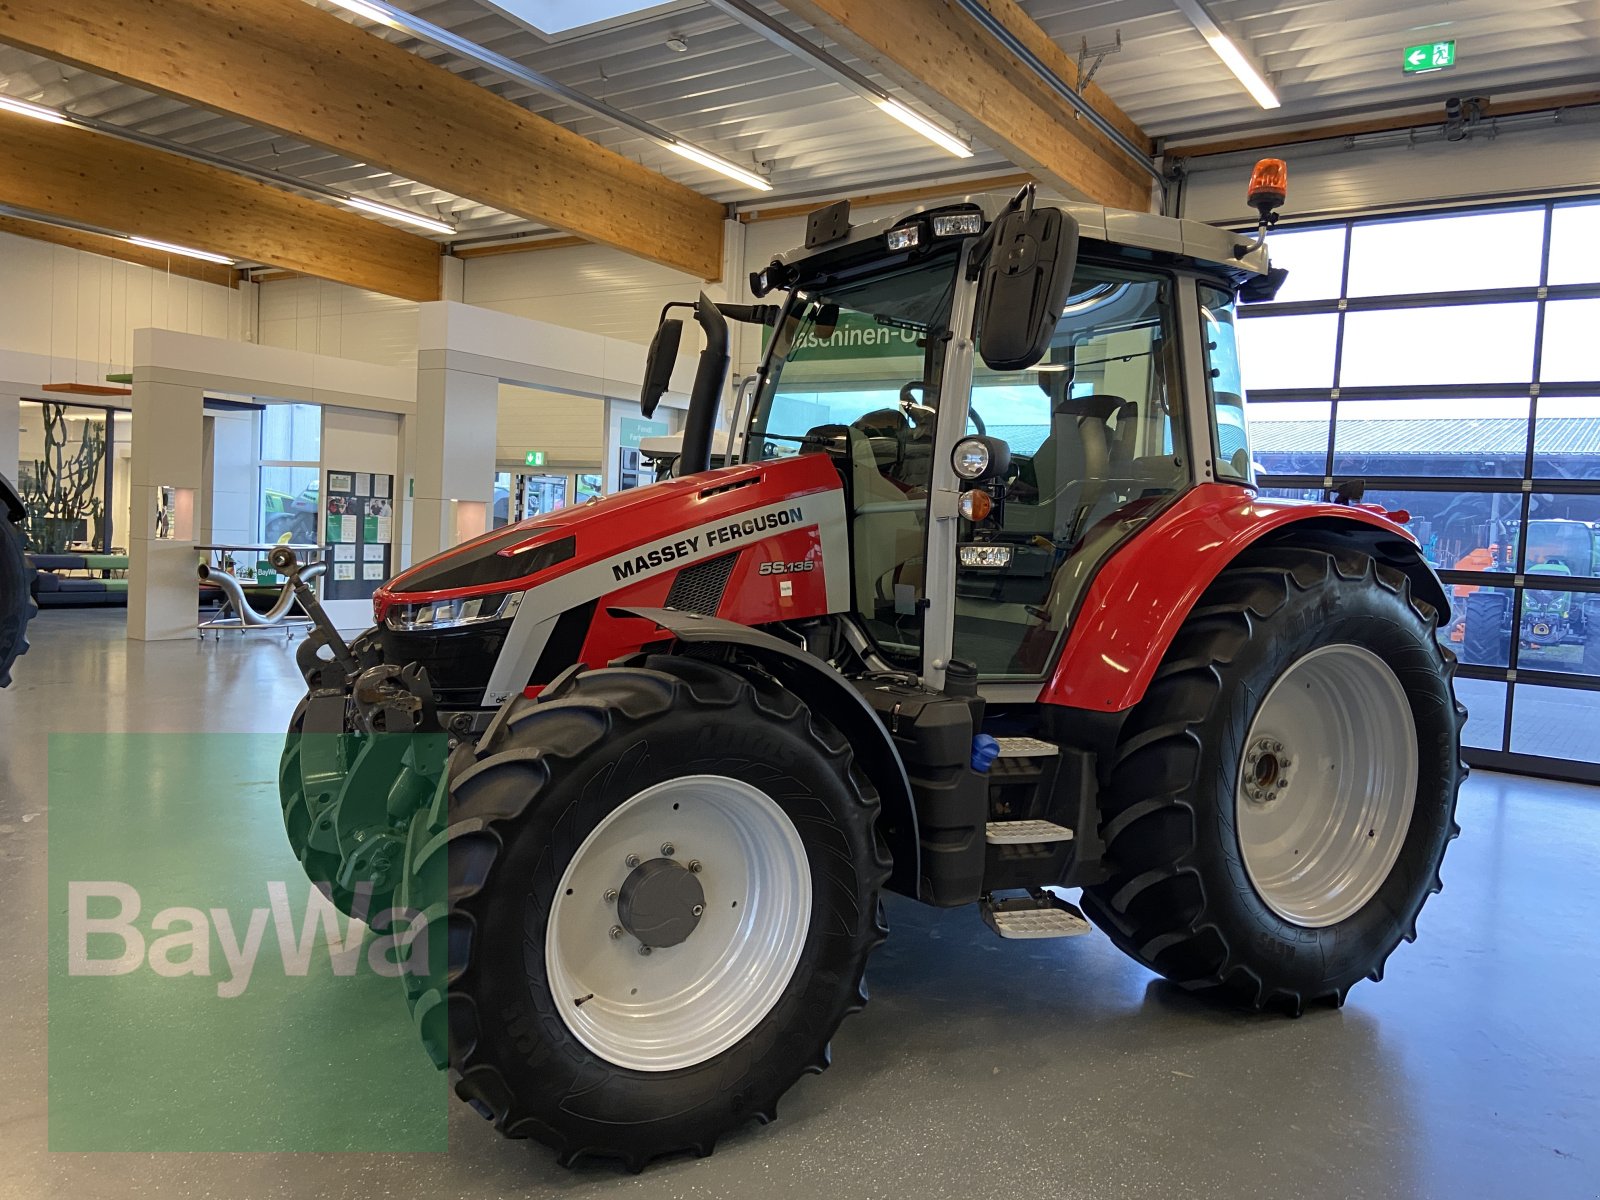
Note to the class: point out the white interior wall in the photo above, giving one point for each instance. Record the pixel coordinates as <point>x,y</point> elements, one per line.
<point>79,310</point>
<point>233,493</point>
<point>319,317</point>
<point>569,429</point>
<point>1387,171</point>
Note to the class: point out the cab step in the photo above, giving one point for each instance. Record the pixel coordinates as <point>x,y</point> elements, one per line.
<point>1026,747</point>
<point>1024,833</point>
<point>1040,915</point>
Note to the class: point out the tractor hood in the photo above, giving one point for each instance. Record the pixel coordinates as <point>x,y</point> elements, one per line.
<point>620,530</point>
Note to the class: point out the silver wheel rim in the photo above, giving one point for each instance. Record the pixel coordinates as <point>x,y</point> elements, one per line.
<point>680,1005</point>
<point>1327,783</point>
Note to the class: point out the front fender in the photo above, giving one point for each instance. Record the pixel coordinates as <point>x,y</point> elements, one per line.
<point>831,696</point>
<point>1146,590</point>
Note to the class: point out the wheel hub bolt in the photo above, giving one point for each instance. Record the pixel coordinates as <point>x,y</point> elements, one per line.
<point>616,932</point>
<point>668,850</point>
<point>611,895</point>
<point>698,910</point>
<point>645,950</point>
<point>694,866</point>
<point>631,861</point>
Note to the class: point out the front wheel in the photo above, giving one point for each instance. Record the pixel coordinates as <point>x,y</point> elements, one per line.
<point>659,888</point>
<point>1282,797</point>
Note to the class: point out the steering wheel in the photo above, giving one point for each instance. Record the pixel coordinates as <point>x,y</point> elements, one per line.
<point>909,403</point>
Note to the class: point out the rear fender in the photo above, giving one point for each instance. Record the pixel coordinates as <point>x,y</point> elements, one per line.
<point>1146,590</point>
<point>830,695</point>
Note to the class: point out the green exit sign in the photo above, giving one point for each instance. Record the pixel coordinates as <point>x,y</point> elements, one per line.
<point>533,458</point>
<point>1433,56</point>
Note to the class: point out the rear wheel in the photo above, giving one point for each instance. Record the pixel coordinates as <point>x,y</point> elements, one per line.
<point>1282,797</point>
<point>1486,629</point>
<point>651,895</point>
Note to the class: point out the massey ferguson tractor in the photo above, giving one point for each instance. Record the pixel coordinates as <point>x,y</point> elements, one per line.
<point>981,612</point>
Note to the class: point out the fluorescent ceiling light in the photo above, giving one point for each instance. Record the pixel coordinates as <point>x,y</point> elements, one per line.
<point>37,111</point>
<point>920,124</point>
<point>185,251</point>
<point>399,214</point>
<point>1235,61</point>
<point>721,165</point>
<point>1245,69</point>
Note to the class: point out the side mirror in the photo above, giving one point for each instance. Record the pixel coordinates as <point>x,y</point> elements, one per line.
<point>1024,286</point>
<point>658,364</point>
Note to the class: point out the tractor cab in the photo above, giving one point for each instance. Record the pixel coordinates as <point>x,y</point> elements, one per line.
<point>1007,396</point>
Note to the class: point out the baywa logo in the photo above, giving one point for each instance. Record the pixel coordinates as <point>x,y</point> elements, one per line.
<point>107,936</point>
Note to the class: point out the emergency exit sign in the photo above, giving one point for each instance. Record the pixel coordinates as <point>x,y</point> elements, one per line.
<point>533,458</point>
<point>1434,56</point>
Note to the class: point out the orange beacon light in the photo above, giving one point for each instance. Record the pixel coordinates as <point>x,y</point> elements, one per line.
<point>1269,187</point>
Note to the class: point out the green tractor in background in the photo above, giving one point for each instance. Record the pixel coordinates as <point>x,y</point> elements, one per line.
<point>1551,616</point>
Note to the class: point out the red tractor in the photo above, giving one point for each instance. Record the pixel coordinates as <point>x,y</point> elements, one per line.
<point>980,613</point>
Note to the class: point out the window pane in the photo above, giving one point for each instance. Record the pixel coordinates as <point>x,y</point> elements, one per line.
<point>1556,722</point>
<point>1479,343</point>
<point>1564,535</point>
<point>1292,438</point>
<point>1432,438</point>
<point>1480,625</point>
<point>289,504</point>
<point>1575,244</point>
<point>1566,442</point>
<point>1315,258</point>
<point>1560,630</point>
<point>291,433</point>
<point>1486,712</point>
<point>1463,252</point>
<point>1288,352</point>
<point>1570,329</point>
<point>1224,390</point>
<point>1460,531</point>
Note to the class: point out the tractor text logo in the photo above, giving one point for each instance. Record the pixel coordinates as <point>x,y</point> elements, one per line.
<point>179,941</point>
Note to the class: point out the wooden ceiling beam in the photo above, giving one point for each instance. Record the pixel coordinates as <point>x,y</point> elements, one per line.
<point>92,178</point>
<point>939,54</point>
<point>287,66</point>
<point>118,248</point>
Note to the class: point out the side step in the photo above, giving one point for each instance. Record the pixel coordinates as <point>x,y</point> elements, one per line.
<point>1041,915</point>
<point>1024,833</point>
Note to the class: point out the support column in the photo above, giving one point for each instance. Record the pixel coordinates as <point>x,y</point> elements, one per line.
<point>167,451</point>
<point>10,442</point>
<point>456,418</point>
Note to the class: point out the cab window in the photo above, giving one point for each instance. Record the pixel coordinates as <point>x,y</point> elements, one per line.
<point>1224,391</point>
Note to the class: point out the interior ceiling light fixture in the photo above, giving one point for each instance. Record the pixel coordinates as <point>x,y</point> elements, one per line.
<point>435,35</point>
<point>185,251</point>
<point>1245,69</point>
<point>399,214</point>
<point>38,112</point>
<point>780,35</point>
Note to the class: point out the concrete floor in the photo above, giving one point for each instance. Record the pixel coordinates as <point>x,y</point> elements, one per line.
<point>981,1068</point>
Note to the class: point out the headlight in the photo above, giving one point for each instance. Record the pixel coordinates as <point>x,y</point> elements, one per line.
<point>904,237</point>
<point>451,614</point>
<point>972,458</point>
<point>957,224</point>
<point>985,554</point>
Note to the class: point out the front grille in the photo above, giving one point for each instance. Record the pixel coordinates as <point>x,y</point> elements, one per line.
<point>698,589</point>
<point>458,661</point>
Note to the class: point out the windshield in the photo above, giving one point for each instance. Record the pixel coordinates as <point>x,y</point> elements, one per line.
<point>855,372</point>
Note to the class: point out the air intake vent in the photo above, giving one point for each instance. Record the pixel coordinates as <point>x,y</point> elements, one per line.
<point>698,589</point>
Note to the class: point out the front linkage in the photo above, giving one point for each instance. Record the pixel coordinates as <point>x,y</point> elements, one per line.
<point>365,753</point>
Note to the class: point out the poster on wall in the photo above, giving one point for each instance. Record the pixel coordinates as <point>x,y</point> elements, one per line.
<point>358,517</point>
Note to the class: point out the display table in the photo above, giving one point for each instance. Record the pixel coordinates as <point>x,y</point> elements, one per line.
<point>244,579</point>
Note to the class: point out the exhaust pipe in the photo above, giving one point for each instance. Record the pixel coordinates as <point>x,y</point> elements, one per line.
<point>705,401</point>
<point>241,604</point>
